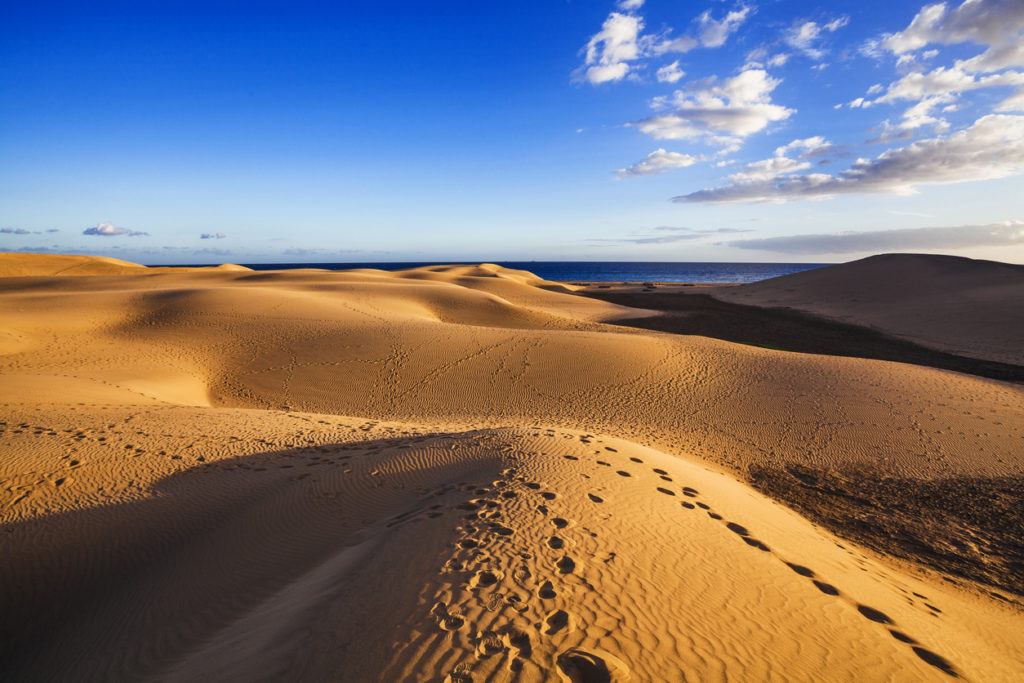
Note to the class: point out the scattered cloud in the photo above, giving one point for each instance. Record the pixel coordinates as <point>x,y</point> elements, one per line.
<point>806,36</point>
<point>714,32</point>
<point>721,111</point>
<point>110,230</point>
<point>212,236</point>
<point>616,51</point>
<point>768,169</point>
<point>670,73</point>
<point>1009,233</point>
<point>814,147</point>
<point>992,147</point>
<point>610,51</point>
<point>15,231</point>
<point>994,23</point>
<point>997,25</point>
<point>658,161</point>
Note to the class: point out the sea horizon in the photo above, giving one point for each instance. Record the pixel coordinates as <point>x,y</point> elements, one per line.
<point>702,272</point>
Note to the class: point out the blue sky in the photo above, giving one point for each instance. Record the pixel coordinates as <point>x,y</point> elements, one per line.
<point>770,131</point>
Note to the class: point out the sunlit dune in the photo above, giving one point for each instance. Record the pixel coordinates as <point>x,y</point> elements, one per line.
<point>467,473</point>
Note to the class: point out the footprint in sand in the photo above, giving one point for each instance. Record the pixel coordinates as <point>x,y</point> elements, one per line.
<point>826,588</point>
<point>667,492</point>
<point>636,459</point>
<point>547,495</point>
<point>556,543</point>
<point>801,570</point>
<point>688,506</point>
<point>565,565</point>
<point>483,579</point>
<point>623,473</point>
<point>559,522</point>
<point>596,499</point>
<point>754,543</point>
<point>581,666</point>
<point>874,615</point>
<point>546,591</point>
<point>556,621</point>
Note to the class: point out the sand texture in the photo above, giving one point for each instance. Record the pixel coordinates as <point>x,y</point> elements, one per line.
<point>963,306</point>
<point>466,473</point>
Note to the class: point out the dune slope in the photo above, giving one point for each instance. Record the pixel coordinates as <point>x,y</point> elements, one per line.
<point>963,306</point>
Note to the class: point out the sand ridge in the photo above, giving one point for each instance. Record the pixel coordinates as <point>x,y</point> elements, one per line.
<point>232,475</point>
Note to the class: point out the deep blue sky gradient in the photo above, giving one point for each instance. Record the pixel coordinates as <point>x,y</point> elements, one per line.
<point>350,131</point>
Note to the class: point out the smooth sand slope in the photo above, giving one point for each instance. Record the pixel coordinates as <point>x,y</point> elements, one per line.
<point>964,306</point>
<point>463,473</point>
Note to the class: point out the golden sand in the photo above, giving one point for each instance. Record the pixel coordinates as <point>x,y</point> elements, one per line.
<point>459,473</point>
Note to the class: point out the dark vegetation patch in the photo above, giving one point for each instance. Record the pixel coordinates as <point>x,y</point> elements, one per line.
<point>971,527</point>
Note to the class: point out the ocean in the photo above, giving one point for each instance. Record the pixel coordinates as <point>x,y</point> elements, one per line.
<point>604,271</point>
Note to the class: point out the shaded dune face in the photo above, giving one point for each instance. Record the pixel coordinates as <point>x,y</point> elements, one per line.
<point>227,475</point>
<point>964,306</point>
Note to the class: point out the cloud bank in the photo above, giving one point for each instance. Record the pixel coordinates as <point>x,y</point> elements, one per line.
<point>1010,233</point>
<point>993,147</point>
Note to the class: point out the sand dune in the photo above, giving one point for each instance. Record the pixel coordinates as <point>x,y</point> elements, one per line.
<point>463,473</point>
<point>963,306</point>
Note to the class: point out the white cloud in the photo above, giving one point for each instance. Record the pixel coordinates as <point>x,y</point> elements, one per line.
<point>993,147</point>
<point>998,25</point>
<point>985,22</point>
<point>658,161</point>
<point>768,169</point>
<point>609,51</point>
<point>779,59</point>
<point>944,81</point>
<point>816,146</point>
<point>617,50</point>
<point>670,73</point>
<point>941,86</point>
<point>110,230</point>
<point>1008,233</point>
<point>1014,102</point>
<point>805,36</point>
<point>714,33</point>
<point>736,107</point>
